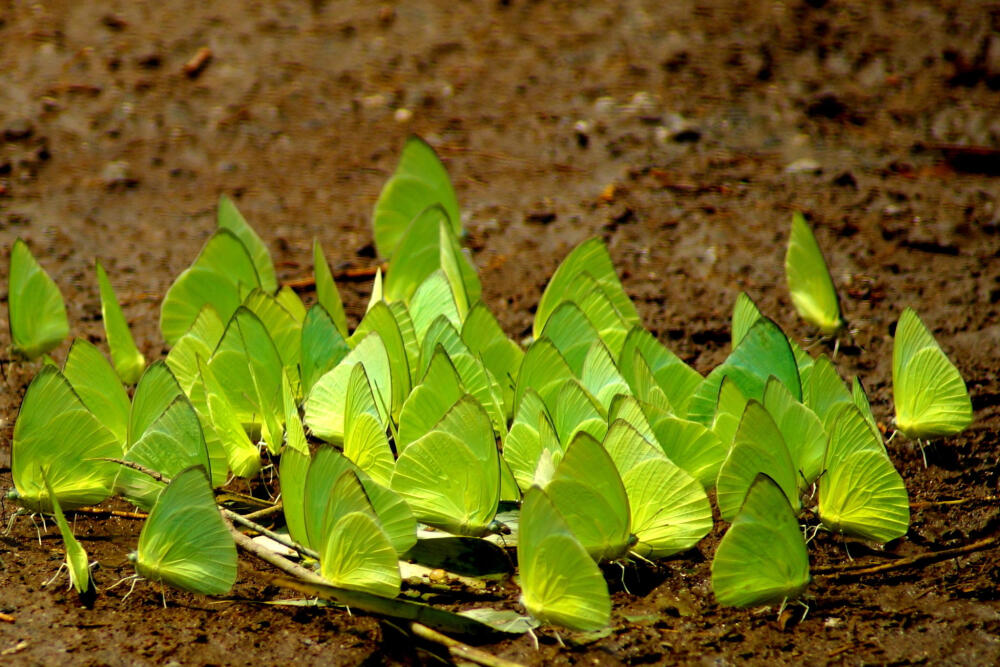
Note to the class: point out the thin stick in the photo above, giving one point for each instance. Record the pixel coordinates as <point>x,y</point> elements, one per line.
<point>460,650</point>
<point>99,511</point>
<point>902,563</point>
<point>267,511</point>
<point>158,476</point>
<point>280,539</point>
<point>238,518</point>
<point>455,647</point>
<point>268,556</point>
<point>961,501</point>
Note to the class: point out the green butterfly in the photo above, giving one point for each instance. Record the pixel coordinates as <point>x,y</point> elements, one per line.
<point>327,295</point>
<point>675,378</point>
<point>324,407</point>
<point>560,583</point>
<point>220,275</point>
<point>228,217</point>
<point>248,368</point>
<point>860,493</point>
<point>669,511</point>
<point>764,351</point>
<point>354,551</point>
<point>762,558</point>
<point>451,475</point>
<point>587,267</point>
<point>758,447</point>
<point>56,432</point>
<point>928,391</point>
<point>322,346</point>
<point>428,244</point>
<point>97,384</point>
<point>809,281</point>
<point>76,557</point>
<point>365,441</point>
<point>37,314</point>
<point>172,443</point>
<point>128,360</point>
<point>307,487</point>
<point>420,180</point>
<point>588,491</point>
<point>185,542</point>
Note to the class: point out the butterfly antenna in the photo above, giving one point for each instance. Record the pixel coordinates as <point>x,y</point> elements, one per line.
<point>558,638</point>
<point>847,550</point>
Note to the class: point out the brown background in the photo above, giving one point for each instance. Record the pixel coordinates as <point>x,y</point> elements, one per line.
<point>683,133</point>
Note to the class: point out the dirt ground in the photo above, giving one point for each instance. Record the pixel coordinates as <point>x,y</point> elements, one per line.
<point>683,133</point>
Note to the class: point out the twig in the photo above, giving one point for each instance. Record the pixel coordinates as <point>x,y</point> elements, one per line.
<point>267,511</point>
<point>922,504</point>
<point>233,516</point>
<point>159,477</point>
<point>268,556</point>
<point>312,584</point>
<point>902,563</point>
<point>6,618</point>
<point>100,511</point>
<point>347,275</point>
<point>280,539</point>
<point>460,650</point>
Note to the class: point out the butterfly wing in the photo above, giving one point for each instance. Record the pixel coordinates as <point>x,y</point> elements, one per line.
<point>930,396</point>
<point>56,432</point>
<point>809,281</point>
<point>560,584</point>
<point>185,542</point>
<point>128,360</point>
<point>37,314</point>
<point>861,494</point>
<point>762,557</point>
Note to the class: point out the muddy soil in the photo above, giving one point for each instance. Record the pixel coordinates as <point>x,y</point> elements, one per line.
<point>683,133</point>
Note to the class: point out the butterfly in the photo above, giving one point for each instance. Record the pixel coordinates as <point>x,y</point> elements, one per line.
<point>809,281</point>
<point>928,391</point>
<point>762,557</point>
<point>185,542</point>
<point>37,313</point>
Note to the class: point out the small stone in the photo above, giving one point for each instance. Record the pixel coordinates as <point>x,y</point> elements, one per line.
<point>18,130</point>
<point>805,165</point>
<point>402,115</point>
<point>117,174</point>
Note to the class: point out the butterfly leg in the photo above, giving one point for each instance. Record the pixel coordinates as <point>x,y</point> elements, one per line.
<point>923,451</point>
<point>805,610</point>
<point>534,637</point>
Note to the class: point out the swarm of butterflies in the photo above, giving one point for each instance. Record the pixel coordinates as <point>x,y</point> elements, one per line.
<point>427,419</point>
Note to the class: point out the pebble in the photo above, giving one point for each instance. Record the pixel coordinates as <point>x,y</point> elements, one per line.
<point>18,129</point>
<point>805,165</point>
<point>402,115</point>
